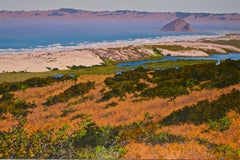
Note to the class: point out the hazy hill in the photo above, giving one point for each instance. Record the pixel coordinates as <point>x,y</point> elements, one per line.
<point>121,14</point>
<point>178,25</point>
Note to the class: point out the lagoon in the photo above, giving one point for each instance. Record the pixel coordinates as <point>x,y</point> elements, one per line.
<point>217,57</point>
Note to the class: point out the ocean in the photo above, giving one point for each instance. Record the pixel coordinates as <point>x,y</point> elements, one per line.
<point>28,36</point>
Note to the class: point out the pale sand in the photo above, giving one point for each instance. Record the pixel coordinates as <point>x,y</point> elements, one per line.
<point>198,48</point>
<point>39,61</point>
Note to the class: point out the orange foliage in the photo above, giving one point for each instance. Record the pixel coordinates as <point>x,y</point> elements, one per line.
<point>189,150</point>
<point>230,137</point>
<point>126,112</point>
<point>7,122</point>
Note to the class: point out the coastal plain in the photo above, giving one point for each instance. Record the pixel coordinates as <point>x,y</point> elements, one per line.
<point>62,60</point>
<point>80,104</point>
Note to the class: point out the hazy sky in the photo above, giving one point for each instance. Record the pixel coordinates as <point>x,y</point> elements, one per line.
<point>210,6</point>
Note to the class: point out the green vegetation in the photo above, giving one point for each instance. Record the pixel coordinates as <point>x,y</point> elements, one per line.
<point>67,111</point>
<point>209,51</point>
<point>106,69</point>
<point>163,138</point>
<point>127,82</point>
<point>80,116</point>
<point>112,104</point>
<point>82,67</point>
<point>74,91</point>
<point>213,113</point>
<point>32,82</point>
<point>156,56</point>
<point>89,141</point>
<point>220,124</point>
<point>235,43</point>
<point>157,53</point>
<point>10,104</point>
<point>108,61</point>
<point>223,151</point>
<point>172,47</point>
<point>178,63</point>
<point>171,82</point>
<point>13,77</point>
<point>174,82</point>
<point>144,131</point>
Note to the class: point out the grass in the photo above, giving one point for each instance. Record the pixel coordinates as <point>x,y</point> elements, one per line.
<point>172,47</point>
<point>178,63</point>
<point>235,43</point>
<point>14,76</point>
<point>209,51</point>
<point>108,69</point>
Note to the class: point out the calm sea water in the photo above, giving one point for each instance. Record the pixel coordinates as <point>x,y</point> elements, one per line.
<point>27,36</point>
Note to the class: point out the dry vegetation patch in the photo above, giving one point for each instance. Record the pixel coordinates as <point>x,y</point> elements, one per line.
<point>189,150</point>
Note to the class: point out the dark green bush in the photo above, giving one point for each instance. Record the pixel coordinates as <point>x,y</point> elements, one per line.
<point>172,82</point>
<point>17,107</point>
<point>204,111</point>
<point>112,104</point>
<point>74,91</point>
<point>32,82</point>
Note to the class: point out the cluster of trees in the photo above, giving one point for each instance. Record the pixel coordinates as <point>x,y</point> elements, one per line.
<point>172,82</point>
<point>32,82</point>
<point>166,89</point>
<point>10,104</point>
<point>74,91</point>
<point>88,142</point>
<point>145,132</point>
<point>126,82</point>
<point>206,112</point>
<point>175,82</point>
<point>172,47</point>
<point>73,67</point>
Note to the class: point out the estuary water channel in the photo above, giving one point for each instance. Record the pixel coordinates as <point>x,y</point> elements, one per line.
<point>216,57</point>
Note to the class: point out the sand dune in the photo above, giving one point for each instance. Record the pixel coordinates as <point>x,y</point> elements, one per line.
<point>40,61</point>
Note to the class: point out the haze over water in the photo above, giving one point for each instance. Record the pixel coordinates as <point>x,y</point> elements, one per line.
<point>22,36</point>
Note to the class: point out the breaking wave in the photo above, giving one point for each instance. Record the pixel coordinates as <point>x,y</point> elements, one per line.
<point>73,45</point>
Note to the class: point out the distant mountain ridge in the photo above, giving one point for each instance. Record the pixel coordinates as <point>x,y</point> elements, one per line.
<point>121,14</point>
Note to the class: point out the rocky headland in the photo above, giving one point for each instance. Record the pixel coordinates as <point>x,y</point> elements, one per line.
<point>178,25</point>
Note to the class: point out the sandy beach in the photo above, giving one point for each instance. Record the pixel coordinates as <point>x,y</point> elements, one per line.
<point>39,61</point>
<point>43,61</point>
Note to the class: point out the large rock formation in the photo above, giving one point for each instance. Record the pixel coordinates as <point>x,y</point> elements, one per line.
<point>178,25</point>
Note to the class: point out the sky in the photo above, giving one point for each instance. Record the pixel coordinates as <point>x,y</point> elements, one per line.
<point>204,6</point>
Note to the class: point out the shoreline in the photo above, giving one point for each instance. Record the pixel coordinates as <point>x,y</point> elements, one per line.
<point>44,61</point>
<point>106,44</point>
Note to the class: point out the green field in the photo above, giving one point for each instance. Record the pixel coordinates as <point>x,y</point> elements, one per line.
<point>106,69</point>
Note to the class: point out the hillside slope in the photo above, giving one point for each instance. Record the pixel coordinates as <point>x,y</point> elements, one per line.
<point>142,113</point>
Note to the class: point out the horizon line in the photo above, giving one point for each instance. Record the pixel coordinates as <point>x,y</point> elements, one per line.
<point>120,10</point>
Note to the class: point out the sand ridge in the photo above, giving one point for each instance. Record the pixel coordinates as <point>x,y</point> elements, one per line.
<point>42,61</point>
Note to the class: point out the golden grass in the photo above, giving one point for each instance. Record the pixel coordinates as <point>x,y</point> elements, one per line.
<point>126,112</point>
<point>189,150</point>
<point>230,137</point>
<point>8,122</point>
